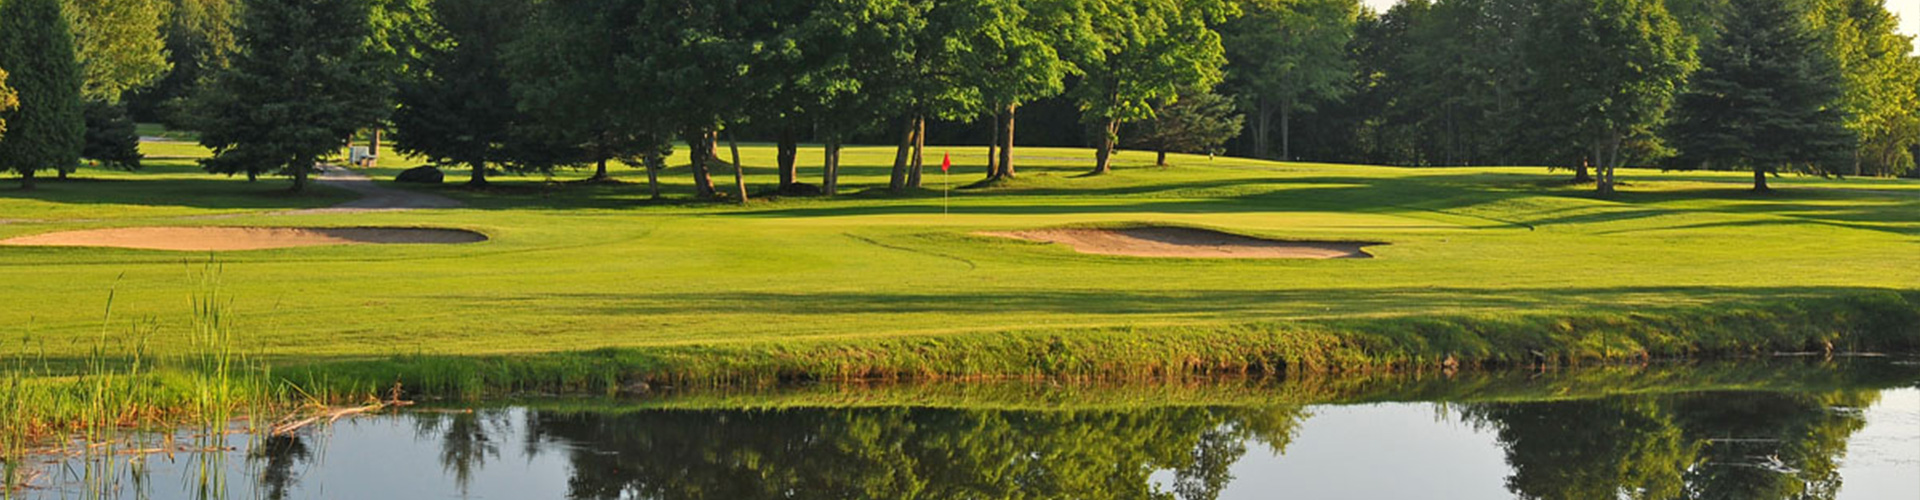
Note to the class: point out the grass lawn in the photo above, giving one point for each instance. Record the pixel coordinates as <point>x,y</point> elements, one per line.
<point>575,267</point>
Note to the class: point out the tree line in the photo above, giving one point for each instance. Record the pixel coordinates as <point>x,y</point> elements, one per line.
<point>1817,86</point>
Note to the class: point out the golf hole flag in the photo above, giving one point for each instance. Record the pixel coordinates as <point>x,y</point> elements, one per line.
<point>946,161</point>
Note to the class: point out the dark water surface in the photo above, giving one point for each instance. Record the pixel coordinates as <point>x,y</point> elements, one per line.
<point>1774,430</point>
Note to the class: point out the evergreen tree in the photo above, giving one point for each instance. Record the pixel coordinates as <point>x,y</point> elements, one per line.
<point>1767,98</point>
<point>456,104</point>
<point>112,140</point>
<point>305,79</point>
<point>1198,123</point>
<point>47,129</point>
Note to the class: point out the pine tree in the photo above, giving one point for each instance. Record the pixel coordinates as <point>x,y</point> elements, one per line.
<point>1767,100</point>
<point>305,78</point>
<point>456,103</point>
<point>1198,123</point>
<point>112,141</point>
<point>46,130</point>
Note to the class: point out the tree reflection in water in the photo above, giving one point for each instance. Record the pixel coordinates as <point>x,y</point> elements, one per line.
<point>1745,445</point>
<point>908,452</point>
<point>1737,445</point>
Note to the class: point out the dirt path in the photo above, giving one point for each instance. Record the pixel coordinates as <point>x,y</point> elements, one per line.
<point>373,196</point>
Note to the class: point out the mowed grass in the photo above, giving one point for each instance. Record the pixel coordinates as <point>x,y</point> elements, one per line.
<point>573,266</point>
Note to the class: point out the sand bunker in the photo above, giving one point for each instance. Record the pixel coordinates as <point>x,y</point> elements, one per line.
<point>1188,243</point>
<point>241,238</point>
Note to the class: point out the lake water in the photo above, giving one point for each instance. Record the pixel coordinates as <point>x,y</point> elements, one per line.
<point>1794,429</point>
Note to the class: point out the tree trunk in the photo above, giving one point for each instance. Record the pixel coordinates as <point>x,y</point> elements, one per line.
<point>478,175</point>
<point>919,151</point>
<point>654,164</point>
<point>698,149</point>
<point>599,170</point>
<point>1601,185</point>
<point>1262,126</point>
<point>1286,131</point>
<point>789,156</point>
<point>300,168</point>
<point>1760,180</point>
<point>373,149</point>
<point>739,178</point>
<point>898,182</point>
<point>830,176</point>
<point>1006,143</point>
<point>993,148</point>
<point>26,180</point>
<point>1162,158</point>
<point>1103,157</point>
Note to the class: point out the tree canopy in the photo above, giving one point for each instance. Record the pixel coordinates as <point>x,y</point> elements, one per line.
<point>47,128</point>
<point>120,44</point>
<point>1768,98</point>
<point>307,76</point>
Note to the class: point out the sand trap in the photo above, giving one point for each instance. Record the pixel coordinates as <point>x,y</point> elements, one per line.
<point>1188,243</point>
<point>241,238</point>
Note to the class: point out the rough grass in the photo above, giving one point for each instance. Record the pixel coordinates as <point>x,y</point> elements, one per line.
<point>590,286</point>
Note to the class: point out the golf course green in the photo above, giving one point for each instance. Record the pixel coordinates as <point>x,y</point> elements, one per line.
<point>582,285</point>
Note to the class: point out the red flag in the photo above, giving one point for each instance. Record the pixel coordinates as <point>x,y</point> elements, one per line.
<point>946,162</point>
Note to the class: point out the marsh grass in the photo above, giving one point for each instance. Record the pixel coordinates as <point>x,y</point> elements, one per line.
<point>120,390</point>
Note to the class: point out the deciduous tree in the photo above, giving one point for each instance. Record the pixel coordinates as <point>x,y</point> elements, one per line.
<point>1608,70</point>
<point>1136,55</point>
<point>1286,56</point>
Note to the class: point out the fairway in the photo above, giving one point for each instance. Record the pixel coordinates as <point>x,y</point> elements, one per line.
<point>570,266</point>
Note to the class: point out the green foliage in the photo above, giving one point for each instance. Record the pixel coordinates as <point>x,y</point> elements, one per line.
<point>111,137</point>
<point>1767,99</point>
<point>305,78</point>
<point>1288,55</point>
<point>456,104</point>
<point>565,82</point>
<point>46,131</point>
<point>1198,123</point>
<point>120,44</point>
<point>1879,74</point>
<point>8,101</point>
<point>200,40</point>
<point>1134,55</point>
<point>1607,71</point>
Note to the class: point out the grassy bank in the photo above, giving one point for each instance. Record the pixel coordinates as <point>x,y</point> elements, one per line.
<point>1866,322</point>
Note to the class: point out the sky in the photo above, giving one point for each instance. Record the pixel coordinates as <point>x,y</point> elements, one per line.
<point>1909,11</point>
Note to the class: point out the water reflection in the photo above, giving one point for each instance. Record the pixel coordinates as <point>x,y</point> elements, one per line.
<point>907,452</point>
<point>1733,444</point>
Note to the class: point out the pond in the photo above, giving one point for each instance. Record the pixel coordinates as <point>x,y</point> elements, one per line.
<point>1748,430</point>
